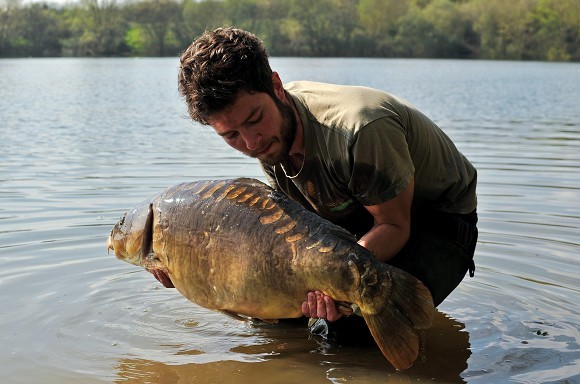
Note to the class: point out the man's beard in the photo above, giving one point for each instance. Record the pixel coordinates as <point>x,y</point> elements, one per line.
<point>287,135</point>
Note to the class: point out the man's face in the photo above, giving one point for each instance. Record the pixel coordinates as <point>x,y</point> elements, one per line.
<point>258,126</point>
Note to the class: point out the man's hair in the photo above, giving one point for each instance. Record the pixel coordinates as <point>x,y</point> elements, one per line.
<point>217,66</point>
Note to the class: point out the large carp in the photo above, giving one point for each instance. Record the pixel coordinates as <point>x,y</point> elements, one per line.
<point>240,247</point>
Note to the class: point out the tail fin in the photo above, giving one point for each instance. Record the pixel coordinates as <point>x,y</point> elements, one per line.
<point>407,307</point>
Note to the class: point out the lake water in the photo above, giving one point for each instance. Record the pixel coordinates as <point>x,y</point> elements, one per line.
<point>83,140</point>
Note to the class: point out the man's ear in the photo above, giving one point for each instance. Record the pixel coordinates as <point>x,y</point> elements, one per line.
<point>278,86</point>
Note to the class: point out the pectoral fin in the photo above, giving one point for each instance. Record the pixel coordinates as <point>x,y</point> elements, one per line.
<point>344,308</point>
<point>235,316</point>
<point>269,321</point>
<point>162,277</point>
<point>239,317</point>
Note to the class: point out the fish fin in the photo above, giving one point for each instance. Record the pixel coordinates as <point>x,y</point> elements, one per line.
<point>344,308</point>
<point>408,307</point>
<point>269,321</point>
<point>235,316</point>
<point>239,317</point>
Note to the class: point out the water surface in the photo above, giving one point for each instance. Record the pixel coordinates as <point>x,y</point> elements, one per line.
<point>83,140</point>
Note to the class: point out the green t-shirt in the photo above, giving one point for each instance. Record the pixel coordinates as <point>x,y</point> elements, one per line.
<point>361,148</point>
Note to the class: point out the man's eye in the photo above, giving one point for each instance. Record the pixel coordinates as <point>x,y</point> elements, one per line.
<point>230,136</point>
<point>255,120</point>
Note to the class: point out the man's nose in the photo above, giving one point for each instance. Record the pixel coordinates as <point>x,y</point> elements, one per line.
<point>252,140</point>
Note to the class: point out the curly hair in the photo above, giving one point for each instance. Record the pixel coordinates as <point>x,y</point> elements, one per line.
<point>217,66</point>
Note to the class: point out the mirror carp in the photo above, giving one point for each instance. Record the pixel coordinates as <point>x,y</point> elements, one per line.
<point>240,247</point>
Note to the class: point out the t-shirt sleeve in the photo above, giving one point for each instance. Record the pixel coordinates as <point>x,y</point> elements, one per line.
<point>381,165</point>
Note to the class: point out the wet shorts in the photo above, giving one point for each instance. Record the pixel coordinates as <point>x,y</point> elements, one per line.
<point>439,251</point>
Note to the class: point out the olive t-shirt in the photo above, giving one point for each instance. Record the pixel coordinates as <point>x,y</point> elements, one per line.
<point>361,148</point>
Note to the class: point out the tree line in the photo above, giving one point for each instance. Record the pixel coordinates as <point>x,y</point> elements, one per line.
<point>479,29</point>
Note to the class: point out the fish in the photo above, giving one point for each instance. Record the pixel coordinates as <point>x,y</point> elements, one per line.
<point>240,247</point>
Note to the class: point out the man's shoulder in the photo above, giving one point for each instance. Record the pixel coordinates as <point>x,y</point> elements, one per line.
<point>344,107</point>
<point>305,87</point>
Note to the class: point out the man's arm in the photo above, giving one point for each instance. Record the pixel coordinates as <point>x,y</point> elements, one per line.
<point>390,232</point>
<point>392,225</point>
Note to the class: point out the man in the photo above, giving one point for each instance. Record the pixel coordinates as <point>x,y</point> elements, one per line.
<point>359,157</point>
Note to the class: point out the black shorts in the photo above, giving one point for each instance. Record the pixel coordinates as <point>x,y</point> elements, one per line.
<point>439,251</point>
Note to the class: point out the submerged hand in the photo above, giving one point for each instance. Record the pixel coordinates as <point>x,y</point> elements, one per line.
<point>318,305</point>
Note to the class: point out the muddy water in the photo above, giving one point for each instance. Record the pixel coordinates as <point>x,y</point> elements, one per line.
<point>84,140</point>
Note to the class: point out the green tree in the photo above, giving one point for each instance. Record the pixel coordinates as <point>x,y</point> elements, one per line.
<point>198,16</point>
<point>502,27</point>
<point>490,29</point>
<point>415,36</point>
<point>555,29</point>
<point>272,14</point>
<point>321,28</point>
<point>8,11</point>
<point>568,12</point>
<point>243,14</point>
<point>452,34</point>
<point>153,27</point>
<point>379,20</point>
<point>39,31</point>
<point>97,29</point>
<point>33,30</point>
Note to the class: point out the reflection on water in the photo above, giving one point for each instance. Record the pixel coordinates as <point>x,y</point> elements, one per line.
<point>288,349</point>
<point>84,140</point>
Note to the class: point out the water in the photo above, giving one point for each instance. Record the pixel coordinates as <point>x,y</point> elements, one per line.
<point>84,140</point>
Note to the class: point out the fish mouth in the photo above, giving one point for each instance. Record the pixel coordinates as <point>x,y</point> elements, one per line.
<point>162,277</point>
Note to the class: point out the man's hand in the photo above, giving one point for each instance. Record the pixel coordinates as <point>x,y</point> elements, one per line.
<point>318,305</point>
